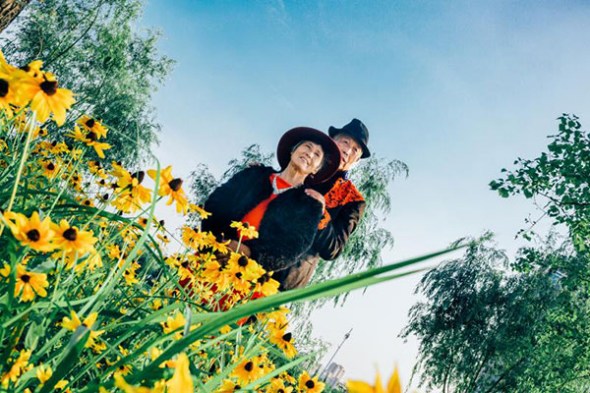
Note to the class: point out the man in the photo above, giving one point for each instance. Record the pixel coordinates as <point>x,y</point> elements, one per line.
<point>344,204</point>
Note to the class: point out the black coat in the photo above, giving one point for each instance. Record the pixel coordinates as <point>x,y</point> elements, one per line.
<point>345,206</point>
<point>287,229</point>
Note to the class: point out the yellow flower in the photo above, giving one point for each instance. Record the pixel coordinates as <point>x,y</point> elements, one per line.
<point>277,385</point>
<point>247,371</point>
<point>92,126</point>
<point>71,239</point>
<point>182,380</point>
<point>245,229</point>
<point>47,98</point>
<point>173,323</point>
<point>249,269</point>
<point>393,386</point>
<point>284,340</point>
<point>172,187</point>
<point>90,139</point>
<point>308,384</point>
<point>43,373</point>
<point>21,365</point>
<point>196,239</point>
<point>228,386</point>
<point>199,210</point>
<point>50,168</point>
<point>8,92</point>
<point>124,386</point>
<point>74,322</point>
<point>28,284</point>
<point>267,285</point>
<point>131,194</point>
<point>31,232</point>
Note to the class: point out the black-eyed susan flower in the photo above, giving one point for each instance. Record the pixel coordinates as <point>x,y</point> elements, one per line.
<point>173,323</point>
<point>8,96</point>
<point>277,385</point>
<point>266,285</point>
<point>47,98</point>
<point>50,168</point>
<point>71,239</point>
<point>93,126</point>
<point>29,284</point>
<point>20,366</point>
<point>249,269</point>
<point>74,322</point>
<point>130,194</point>
<point>127,388</point>
<point>182,380</point>
<point>171,187</point>
<point>90,139</point>
<point>284,340</point>
<point>32,232</point>
<point>43,373</point>
<point>247,371</point>
<point>199,210</point>
<point>228,386</point>
<point>393,386</point>
<point>245,230</point>
<point>308,384</point>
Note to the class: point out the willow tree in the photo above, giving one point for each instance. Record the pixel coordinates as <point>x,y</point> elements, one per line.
<point>98,51</point>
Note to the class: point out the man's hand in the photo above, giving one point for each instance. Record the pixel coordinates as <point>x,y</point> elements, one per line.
<point>317,196</point>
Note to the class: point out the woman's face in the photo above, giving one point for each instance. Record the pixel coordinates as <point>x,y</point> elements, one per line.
<point>307,157</point>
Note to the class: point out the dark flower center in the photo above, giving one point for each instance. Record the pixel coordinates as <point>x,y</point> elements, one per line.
<point>175,184</point>
<point>237,387</point>
<point>239,275</point>
<point>50,166</point>
<point>249,366</point>
<point>287,337</point>
<point>184,264</point>
<point>243,261</point>
<point>26,68</point>
<point>34,235</point>
<point>90,123</point>
<point>280,391</point>
<point>87,202</point>
<point>25,278</point>
<point>49,87</point>
<point>3,88</point>
<point>92,136</point>
<point>105,197</point>
<point>309,384</point>
<point>139,176</point>
<point>70,234</point>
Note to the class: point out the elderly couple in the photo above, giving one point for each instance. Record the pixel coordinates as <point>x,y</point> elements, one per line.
<point>304,212</point>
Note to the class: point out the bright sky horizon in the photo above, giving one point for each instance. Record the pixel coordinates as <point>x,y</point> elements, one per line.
<point>456,90</point>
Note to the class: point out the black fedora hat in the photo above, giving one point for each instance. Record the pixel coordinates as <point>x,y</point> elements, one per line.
<point>358,131</point>
<point>299,134</point>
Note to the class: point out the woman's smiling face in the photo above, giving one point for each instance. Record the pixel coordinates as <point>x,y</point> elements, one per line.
<point>307,157</point>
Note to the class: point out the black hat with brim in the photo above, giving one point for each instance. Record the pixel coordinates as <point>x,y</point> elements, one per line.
<point>296,135</point>
<point>358,131</point>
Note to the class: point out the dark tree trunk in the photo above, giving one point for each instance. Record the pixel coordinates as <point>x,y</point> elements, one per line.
<point>9,9</point>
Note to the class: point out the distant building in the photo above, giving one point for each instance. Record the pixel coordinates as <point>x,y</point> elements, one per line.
<point>334,374</point>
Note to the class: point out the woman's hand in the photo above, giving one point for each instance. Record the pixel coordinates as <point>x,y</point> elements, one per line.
<point>244,249</point>
<point>317,196</point>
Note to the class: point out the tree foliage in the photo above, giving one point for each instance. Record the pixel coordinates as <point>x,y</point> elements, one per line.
<point>97,50</point>
<point>493,325</point>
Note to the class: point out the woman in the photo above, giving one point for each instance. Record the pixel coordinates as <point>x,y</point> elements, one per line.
<point>285,213</point>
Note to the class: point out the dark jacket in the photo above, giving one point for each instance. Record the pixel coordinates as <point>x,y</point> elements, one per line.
<point>287,229</point>
<point>345,207</point>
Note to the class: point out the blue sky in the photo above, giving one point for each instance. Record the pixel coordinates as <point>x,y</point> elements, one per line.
<point>457,90</point>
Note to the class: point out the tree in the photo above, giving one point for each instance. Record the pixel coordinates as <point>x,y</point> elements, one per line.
<point>95,48</point>
<point>493,325</point>
<point>9,9</point>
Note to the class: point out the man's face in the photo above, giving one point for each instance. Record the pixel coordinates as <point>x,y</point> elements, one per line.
<point>350,151</point>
